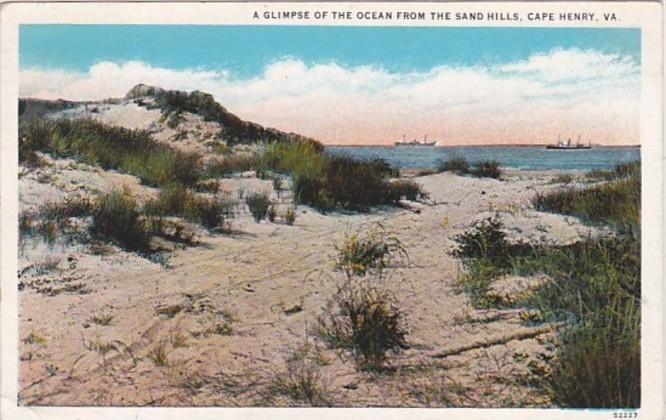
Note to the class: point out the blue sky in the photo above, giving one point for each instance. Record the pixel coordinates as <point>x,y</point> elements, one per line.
<point>371,85</point>
<point>246,50</point>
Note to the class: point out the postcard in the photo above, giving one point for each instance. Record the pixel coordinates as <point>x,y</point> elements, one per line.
<point>428,210</point>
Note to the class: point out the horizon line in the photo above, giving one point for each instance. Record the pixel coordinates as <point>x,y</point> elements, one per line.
<point>477,145</point>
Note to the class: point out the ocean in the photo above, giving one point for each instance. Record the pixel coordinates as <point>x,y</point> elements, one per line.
<point>514,157</point>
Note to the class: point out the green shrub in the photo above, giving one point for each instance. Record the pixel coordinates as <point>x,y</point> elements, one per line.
<point>176,200</point>
<point>217,168</point>
<point>258,204</point>
<point>486,241</point>
<point>628,169</point>
<point>290,216</point>
<point>563,179</point>
<point>407,189</point>
<point>70,206</point>
<point>116,216</point>
<point>330,182</point>
<point>455,164</point>
<point>460,166</point>
<point>486,169</point>
<point>367,321</point>
<point>371,251</point>
<point>600,174</point>
<point>272,213</point>
<point>302,379</point>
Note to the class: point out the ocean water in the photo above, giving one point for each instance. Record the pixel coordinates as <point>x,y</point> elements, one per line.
<point>514,157</point>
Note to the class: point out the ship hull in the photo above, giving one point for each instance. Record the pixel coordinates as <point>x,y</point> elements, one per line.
<point>416,144</point>
<point>568,147</point>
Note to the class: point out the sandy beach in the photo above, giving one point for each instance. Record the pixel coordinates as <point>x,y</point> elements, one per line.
<point>224,314</point>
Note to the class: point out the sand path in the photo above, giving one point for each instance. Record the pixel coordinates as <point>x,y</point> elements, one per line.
<point>259,278</point>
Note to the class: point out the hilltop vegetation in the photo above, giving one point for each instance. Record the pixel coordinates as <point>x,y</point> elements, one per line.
<point>174,103</point>
<point>319,180</point>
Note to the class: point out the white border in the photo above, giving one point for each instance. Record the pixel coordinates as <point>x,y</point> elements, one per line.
<point>644,15</point>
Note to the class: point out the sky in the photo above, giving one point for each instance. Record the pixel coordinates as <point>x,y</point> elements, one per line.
<point>362,85</point>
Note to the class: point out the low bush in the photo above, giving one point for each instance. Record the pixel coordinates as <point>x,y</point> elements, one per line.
<point>70,206</point>
<point>563,179</point>
<point>117,216</point>
<point>302,379</point>
<point>330,182</point>
<point>271,213</point>
<point>178,201</point>
<point>371,251</point>
<point>258,203</point>
<point>486,169</point>
<point>406,189</point>
<point>290,216</point>
<point>481,169</point>
<point>455,164</point>
<point>365,320</point>
<point>221,167</point>
<point>486,240</point>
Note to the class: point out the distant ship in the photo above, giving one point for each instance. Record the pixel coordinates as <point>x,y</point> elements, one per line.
<point>415,142</point>
<point>561,145</point>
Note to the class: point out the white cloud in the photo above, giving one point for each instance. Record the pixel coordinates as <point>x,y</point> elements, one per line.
<point>586,92</point>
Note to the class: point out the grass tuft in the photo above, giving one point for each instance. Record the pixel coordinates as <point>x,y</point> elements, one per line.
<point>371,251</point>
<point>481,169</point>
<point>259,204</point>
<point>366,320</point>
<point>302,379</point>
<point>117,217</point>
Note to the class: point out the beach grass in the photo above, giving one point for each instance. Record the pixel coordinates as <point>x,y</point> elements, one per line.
<point>337,182</point>
<point>130,151</point>
<point>480,169</point>
<point>593,289</point>
<point>615,202</point>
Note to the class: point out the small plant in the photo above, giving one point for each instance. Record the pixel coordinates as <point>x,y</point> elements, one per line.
<point>99,346</point>
<point>27,224</point>
<point>563,179</point>
<point>486,169</point>
<point>272,213</point>
<point>600,175</point>
<point>178,339</point>
<point>372,251</point>
<point>48,264</point>
<point>34,338</point>
<point>277,185</point>
<point>406,189</point>
<point>71,206</point>
<point>456,164</point>
<point>117,216</point>
<point>169,310</point>
<point>302,379</point>
<point>229,164</point>
<point>460,166</point>
<point>159,355</point>
<point>258,204</point>
<point>290,216</point>
<point>102,319</point>
<point>49,230</point>
<point>365,320</point>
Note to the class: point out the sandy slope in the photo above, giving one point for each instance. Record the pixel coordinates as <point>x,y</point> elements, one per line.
<point>256,278</point>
